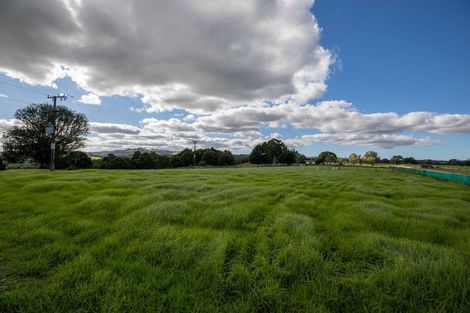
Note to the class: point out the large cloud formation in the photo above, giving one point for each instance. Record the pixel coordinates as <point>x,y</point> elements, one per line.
<point>234,66</point>
<point>239,128</point>
<point>196,55</point>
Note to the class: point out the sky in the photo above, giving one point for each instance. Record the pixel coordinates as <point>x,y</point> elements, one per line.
<point>339,75</point>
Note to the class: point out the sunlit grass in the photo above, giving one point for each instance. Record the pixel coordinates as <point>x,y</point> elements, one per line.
<point>233,240</point>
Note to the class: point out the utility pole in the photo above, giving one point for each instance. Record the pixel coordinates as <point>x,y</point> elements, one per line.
<point>194,154</point>
<point>61,96</point>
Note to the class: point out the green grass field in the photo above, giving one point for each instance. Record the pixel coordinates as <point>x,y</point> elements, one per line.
<point>298,239</point>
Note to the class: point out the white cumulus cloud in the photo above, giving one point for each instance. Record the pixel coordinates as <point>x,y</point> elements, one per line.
<point>90,99</point>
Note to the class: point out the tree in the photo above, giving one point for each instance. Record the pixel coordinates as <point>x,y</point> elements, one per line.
<point>75,159</point>
<point>226,158</point>
<point>272,152</point>
<point>288,156</point>
<point>258,155</point>
<point>30,140</point>
<point>182,159</point>
<point>396,159</point>
<point>353,158</point>
<point>371,157</point>
<point>409,160</point>
<point>162,161</point>
<point>274,148</point>
<point>300,158</point>
<point>113,162</point>
<point>209,156</point>
<point>326,157</point>
<point>148,160</point>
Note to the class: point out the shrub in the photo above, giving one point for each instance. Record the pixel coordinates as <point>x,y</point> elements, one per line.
<point>2,164</point>
<point>75,160</point>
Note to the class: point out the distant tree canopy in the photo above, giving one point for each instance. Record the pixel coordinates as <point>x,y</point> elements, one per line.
<point>397,159</point>
<point>354,158</point>
<point>114,162</point>
<point>30,140</point>
<point>371,157</point>
<point>139,160</point>
<point>148,160</point>
<point>272,152</point>
<point>182,159</point>
<point>74,160</point>
<point>326,157</point>
<point>152,160</point>
<point>409,160</point>
<point>204,157</point>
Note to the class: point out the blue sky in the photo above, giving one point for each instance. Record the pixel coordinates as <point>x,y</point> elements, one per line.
<point>401,56</point>
<point>399,67</point>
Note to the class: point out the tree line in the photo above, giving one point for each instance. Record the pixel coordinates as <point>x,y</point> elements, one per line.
<point>152,160</point>
<point>31,142</point>
<point>328,157</point>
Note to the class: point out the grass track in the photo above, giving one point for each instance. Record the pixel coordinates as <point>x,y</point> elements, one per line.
<point>233,240</point>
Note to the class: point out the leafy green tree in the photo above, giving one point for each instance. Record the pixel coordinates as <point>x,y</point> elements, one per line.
<point>182,159</point>
<point>226,158</point>
<point>327,157</point>
<point>209,156</point>
<point>136,157</point>
<point>148,160</point>
<point>163,161</point>
<point>396,159</point>
<point>300,158</point>
<point>288,156</point>
<point>272,152</point>
<point>258,155</point>
<point>30,140</point>
<point>353,158</point>
<point>144,160</point>
<point>371,157</point>
<point>409,160</point>
<point>75,159</point>
<point>214,157</point>
<point>274,149</point>
<point>113,162</point>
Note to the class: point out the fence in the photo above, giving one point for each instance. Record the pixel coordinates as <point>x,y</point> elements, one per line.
<point>454,177</point>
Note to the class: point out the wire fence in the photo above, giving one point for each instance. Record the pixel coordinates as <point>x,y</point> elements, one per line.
<point>454,177</point>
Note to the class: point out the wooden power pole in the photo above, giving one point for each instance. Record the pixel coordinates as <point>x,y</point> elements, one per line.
<point>194,154</point>
<point>60,96</point>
